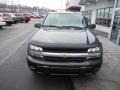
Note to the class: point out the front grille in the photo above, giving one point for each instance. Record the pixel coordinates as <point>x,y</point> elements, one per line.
<point>64,50</point>
<point>61,59</point>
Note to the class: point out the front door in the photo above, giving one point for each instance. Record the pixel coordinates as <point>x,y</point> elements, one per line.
<point>115,33</point>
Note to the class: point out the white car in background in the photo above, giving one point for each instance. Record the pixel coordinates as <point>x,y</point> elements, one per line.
<point>2,23</point>
<point>7,18</point>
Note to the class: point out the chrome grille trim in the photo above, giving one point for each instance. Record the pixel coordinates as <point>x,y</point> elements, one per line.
<point>65,55</point>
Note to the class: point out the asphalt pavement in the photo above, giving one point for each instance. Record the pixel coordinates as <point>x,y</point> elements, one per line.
<point>15,74</point>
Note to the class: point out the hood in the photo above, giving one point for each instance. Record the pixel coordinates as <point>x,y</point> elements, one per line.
<point>64,37</point>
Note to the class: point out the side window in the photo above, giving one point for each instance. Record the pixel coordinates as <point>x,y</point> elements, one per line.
<point>88,14</point>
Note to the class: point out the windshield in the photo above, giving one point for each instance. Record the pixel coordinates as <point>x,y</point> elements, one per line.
<point>65,20</point>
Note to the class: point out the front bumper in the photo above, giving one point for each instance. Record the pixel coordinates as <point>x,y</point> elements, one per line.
<point>64,68</point>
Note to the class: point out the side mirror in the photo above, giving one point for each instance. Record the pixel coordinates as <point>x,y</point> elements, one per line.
<point>92,26</point>
<point>37,25</point>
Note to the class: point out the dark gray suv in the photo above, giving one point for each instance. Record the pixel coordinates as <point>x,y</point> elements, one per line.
<point>64,45</point>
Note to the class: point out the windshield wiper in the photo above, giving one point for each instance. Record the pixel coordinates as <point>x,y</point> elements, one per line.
<point>76,27</point>
<point>51,26</point>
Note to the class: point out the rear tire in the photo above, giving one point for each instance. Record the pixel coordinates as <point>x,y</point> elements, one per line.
<point>0,27</point>
<point>15,22</point>
<point>21,21</point>
<point>9,24</point>
<point>26,21</point>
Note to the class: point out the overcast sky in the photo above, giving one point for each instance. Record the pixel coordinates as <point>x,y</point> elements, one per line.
<point>52,4</point>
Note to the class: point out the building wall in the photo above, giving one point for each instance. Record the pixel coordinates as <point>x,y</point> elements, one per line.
<point>100,4</point>
<point>93,17</point>
<point>94,6</point>
<point>74,2</point>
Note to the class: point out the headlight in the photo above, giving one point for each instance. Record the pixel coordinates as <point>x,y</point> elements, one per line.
<point>94,50</point>
<point>35,50</point>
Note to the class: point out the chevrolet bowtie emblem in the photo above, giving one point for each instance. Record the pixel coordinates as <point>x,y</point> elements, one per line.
<point>65,55</point>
